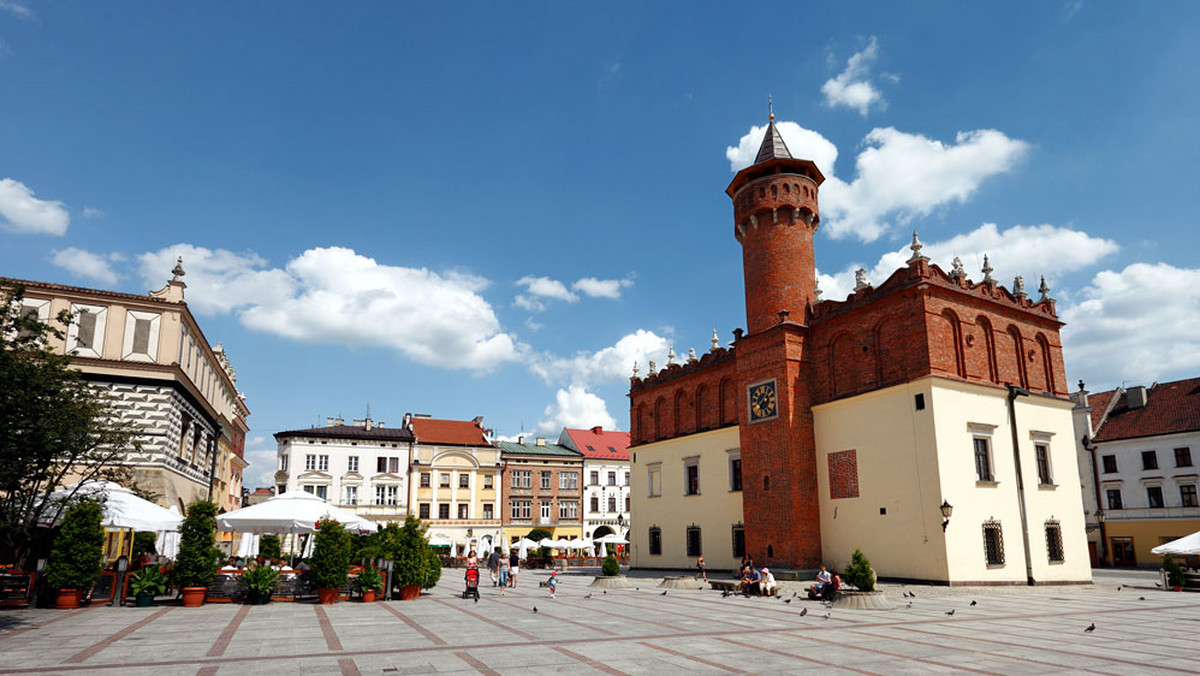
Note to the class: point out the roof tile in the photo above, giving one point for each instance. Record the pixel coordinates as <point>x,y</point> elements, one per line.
<point>1170,408</point>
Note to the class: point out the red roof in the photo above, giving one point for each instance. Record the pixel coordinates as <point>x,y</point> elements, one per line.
<point>1170,408</point>
<point>1100,403</point>
<point>449,432</point>
<point>597,443</point>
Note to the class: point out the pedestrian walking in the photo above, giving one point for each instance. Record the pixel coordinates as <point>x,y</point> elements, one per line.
<point>514,568</point>
<point>493,564</point>
<point>504,573</point>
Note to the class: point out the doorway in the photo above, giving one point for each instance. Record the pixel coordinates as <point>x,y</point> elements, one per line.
<point>1122,552</point>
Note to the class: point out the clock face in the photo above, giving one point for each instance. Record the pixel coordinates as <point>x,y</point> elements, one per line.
<point>762,401</point>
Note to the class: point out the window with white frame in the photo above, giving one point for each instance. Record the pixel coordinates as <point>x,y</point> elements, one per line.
<point>283,462</point>
<point>612,504</point>
<point>444,479</point>
<point>85,334</point>
<point>612,478</point>
<point>141,336</point>
<point>310,463</point>
<point>522,478</point>
<point>546,506</point>
<point>352,463</point>
<point>489,481</point>
<point>322,463</point>
<point>568,480</point>
<point>594,503</point>
<point>594,477</point>
<point>521,510</point>
<point>464,480</point>
<point>545,482</point>
<point>1041,453</point>
<point>1187,495</point>
<point>691,476</point>
<point>487,510</point>
<point>464,511</point>
<point>568,510</point>
<point>392,493</point>
<point>351,495</point>
<point>424,479</point>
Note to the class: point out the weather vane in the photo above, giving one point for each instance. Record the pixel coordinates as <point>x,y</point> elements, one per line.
<point>770,108</point>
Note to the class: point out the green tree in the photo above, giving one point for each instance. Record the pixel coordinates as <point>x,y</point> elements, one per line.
<point>539,534</point>
<point>54,426</point>
<point>196,564</point>
<point>859,572</point>
<point>610,566</point>
<point>76,559</point>
<point>268,546</point>
<point>331,555</point>
<point>408,547</point>
<point>433,568</point>
<point>143,541</point>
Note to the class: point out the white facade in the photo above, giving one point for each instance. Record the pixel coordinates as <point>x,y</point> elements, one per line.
<point>605,498</point>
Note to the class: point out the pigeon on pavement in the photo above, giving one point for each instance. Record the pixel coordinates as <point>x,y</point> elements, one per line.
<point>1091,627</point>
<point>588,596</point>
<point>973,602</point>
<point>535,609</point>
<point>950,612</point>
<point>803,612</point>
<point>664,592</point>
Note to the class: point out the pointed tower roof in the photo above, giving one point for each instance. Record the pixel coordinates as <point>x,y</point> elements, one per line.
<point>773,147</point>
<point>774,158</point>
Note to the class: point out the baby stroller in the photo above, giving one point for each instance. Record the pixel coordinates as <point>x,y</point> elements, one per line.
<point>472,589</point>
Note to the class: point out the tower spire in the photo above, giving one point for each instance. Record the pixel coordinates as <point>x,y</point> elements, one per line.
<point>773,147</point>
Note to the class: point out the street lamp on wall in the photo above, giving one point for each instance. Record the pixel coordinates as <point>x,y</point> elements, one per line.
<point>947,510</point>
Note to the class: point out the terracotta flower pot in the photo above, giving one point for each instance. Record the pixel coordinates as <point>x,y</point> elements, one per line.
<point>410,592</point>
<point>368,596</point>
<point>193,597</point>
<point>68,599</point>
<point>327,596</point>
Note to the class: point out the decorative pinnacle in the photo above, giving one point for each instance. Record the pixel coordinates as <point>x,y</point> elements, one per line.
<point>651,369</point>
<point>635,368</point>
<point>860,280</point>
<point>817,291</point>
<point>1044,289</point>
<point>692,355</point>
<point>770,108</point>
<point>1019,286</point>
<point>715,343</point>
<point>671,355</point>
<point>956,269</point>
<point>916,247</point>
<point>178,270</point>
<point>987,271</point>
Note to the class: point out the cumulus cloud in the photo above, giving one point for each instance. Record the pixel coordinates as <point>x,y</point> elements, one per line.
<point>262,458</point>
<point>23,213</point>
<point>17,9</point>
<point>601,288</point>
<point>92,212</point>
<point>574,407</point>
<point>1136,325</point>
<point>539,288</point>
<point>852,87</point>
<point>88,265</point>
<point>335,295</point>
<point>611,364</point>
<point>1027,250</point>
<point>900,176</point>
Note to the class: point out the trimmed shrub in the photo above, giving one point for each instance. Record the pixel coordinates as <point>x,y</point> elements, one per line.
<point>196,564</point>
<point>330,566</point>
<point>268,547</point>
<point>1174,571</point>
<point>143,542</point>
<point>407,547</point>
<point>75,560</point>
<point>610,566</point>
<point>859,572</point>
<point>433,568</point>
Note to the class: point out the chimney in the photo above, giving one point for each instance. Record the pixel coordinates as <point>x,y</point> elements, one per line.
<point>329,422</point>
<point>1135,397</point>
<point>541,441</point>
<point>369,424</point>
<point>478,420</point>
<point>520,438</point>
<point>379,424</point>
<point>340,421</point>
<point>597,429</point>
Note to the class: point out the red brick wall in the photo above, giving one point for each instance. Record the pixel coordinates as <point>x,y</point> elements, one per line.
<point>843,474</point>
<point>684,398</point>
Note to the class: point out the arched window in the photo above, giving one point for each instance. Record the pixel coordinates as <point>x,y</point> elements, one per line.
<point>703,404</point>
<point>660,412</point>
<point>989,345</point>
<point>693,541</point>
<point>728,402</point>
<point>960,361</point>
<point>1019,352</point>
<point>1047,362</point>
<point>681,405</point>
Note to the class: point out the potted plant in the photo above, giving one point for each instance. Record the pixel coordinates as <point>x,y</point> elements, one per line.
<point>75,559</point>
<point>260,582</point>
<point>1174,573</point>
<point>330,566</point>
<point>146,584</point>
<point>410,558</point>
<point>196,564</point>
<point>610,567</point>
<point>859,573</point>
<point>433,568</point>
<point>369,581</point>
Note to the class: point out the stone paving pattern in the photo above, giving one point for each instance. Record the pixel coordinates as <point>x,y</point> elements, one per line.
<point>628,631</point>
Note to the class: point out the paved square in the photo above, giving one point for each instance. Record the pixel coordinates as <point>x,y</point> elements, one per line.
<point>1139,630</point>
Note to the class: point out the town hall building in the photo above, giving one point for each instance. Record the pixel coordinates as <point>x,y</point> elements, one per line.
<point>925,420</point>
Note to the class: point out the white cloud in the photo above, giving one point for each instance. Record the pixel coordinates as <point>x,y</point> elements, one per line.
<point>574,407</point>
<point>852,87</point>
<point>92,212</point>
<point>1138,325</point>
<point>17,9</point>
<point>23,213</point>
<point>263,459</point>
<point>611,364</point>
<point>88,265</point>
<point>601,288</point>
<point>538,288</point>
<point>335,295</point>
<point>1027,250</point>
<point>900,176</point>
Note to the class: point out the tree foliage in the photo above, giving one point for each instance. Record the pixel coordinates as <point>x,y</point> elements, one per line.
<point>433,568</point>
<point>331,555</point>
<point>268,546</point>
<point>76,559</point>
<point>53,425</point>
<point>859,572</point>
<point>408,548</point>
<point>539,534</point>
<point>196,564</point>
<point>610,566</point>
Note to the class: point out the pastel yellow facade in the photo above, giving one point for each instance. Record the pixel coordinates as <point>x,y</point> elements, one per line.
<point>456,490</point>
<point>661,501</point>
<point>1145,535</point>
<point>912,455</point>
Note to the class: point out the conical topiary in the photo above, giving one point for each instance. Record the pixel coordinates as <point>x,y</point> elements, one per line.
<point>196,564</point>
<point>331,556</point>
<point>75,559</point>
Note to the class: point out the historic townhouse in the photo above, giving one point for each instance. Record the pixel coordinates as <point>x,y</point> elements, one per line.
<point>542,489</point>
<point>925,420</point>
<point>149,354</point>
<point>606,479</point>
<point>1137,466</point>
<point>455,484</point>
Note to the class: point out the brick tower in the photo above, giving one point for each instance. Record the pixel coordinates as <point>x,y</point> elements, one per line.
<point>775,218</point>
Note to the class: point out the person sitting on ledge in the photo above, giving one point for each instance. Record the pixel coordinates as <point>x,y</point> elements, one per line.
<point>824,579</point>
<point>751,583</point>
<point>768,584</point>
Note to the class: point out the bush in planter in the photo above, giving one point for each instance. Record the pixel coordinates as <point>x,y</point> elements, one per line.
<point>330,566</point>
<point>268,547</point>
<point>196,564</point>
<point>75,559</point>
<point>408,548</point>
<point>149,581</point>
<point>260,581</point>
<point>610,566</point>
<point>369,579</point>
<point>859,572</point>
<point>1174,571</point>
<point>433,569</point>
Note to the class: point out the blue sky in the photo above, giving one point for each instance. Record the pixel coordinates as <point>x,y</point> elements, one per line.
<point>494,210</point>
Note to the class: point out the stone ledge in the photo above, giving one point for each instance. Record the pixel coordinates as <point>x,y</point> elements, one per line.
<point>859,600</point>
<point>612,582</point>
<point>681,582</point>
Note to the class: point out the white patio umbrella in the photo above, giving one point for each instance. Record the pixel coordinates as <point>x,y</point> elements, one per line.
<point>613,540</point>
<point>524,545</point>
<point>167,543</point>
<point>454,549</point>
<point>1188,545</point>
<point>248,546</point>
<point>292,512</point>
<point>122,509</point>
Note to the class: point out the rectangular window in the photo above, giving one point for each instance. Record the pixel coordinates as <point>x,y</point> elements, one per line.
<point>322,492</point>
<point>86,333</point>
<point>691,478</point>
<point>464,480</point>
<point>693,541</point>
<point>489,481</point>
<point>394,465</point>
<point>595,504</point>
<point>594,477</point>
<point>1043,463</point>
<point>487,510</point>
<point>612,478</point>
<point>310,489</point>
<point>655,541</point>
<point>735,473</point>
<point>626,479</point>
<point>983,460</point>
<point>381,464</point>
<point>1114,498</point>
<point>568,480</point>
<point>521,509</point>
<point>444,479</point>
<point>464,511</point>
<point>626,504</point>
<point>545,483</point>
<point>522,478</point>
<point>562,510</point>
<point>739,541</point>
<point>612,504</point>
<point>443,511</point>
<point>1183,457</point>
<point>425,480</point>
<point>380,495</point>
<point>1054,545</point>
<point>1187,495</point>
<point>993,543</point>
<point>1149,460</point>
<point>323,463</point>
<point>310,463</point>
<point>654,481</point>
<point>283,463</point>
<point>1110,463</point>
<point>352,463</point>
<point>545,511</point>
<point>351,495</point>
<point>423,510</point>
<point>1154,497</point>
<point>391,495</point>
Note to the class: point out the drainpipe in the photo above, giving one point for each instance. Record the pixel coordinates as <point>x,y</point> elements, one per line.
<point>212,465</point>
<point>1013,393</point>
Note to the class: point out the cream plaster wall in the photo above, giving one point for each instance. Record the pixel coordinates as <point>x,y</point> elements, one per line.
<point>716,509</point>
